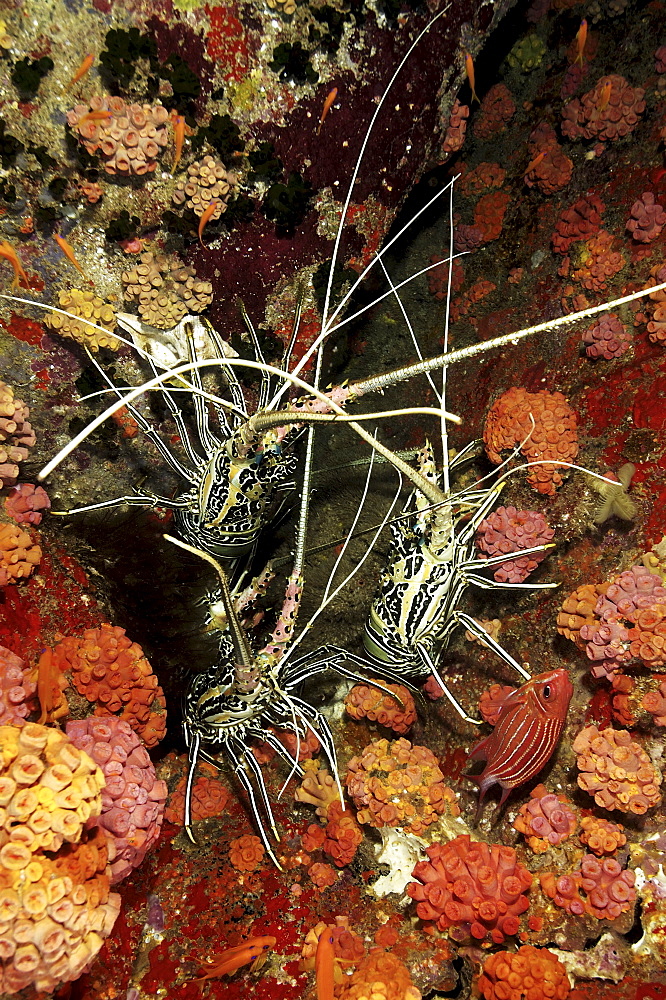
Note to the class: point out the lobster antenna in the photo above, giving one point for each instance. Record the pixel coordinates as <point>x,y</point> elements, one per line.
<point>158,380</point>
<point>242,650</point>
<point>343,218</point>
<point>377,383</point>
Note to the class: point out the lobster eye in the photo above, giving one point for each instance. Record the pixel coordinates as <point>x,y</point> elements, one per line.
<point>546,691</point>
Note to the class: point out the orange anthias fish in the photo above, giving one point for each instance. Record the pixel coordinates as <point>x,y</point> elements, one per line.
<point>8,252</point>
<point>581,38</point>
<point>93,116</point>
<point>530,723</point>
<point>327,107</point>
<point>325,965</point>
<point>604,97</point>
<point>178,122</point>
<point>68,252</point>
<point>252,950</point>
<point>469,69</point>
<point>82,70</point>
<point>535,162</point>
<point>205,218</point>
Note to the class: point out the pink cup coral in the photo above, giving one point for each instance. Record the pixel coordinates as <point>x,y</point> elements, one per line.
<point>132,799</point>
<point>508,530</point>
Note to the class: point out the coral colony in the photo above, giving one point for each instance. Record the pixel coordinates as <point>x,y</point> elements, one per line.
<point>308,824</point>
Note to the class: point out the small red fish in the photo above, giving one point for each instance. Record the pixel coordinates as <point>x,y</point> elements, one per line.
<point>469,69</point>
<point>327,107</point>
<point>178,122</point>
<point>93,116</point>
<point>68,252</point>
<point>82,70</point>
<point>530,723</point>
<point>8,252</point>
<point>581,38</point>
<point>205,218</point>
<point>534,163</point>
<point>604,97</point>
<point>252,950</point>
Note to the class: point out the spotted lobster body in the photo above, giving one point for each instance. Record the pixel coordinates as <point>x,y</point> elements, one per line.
<point>234,501</point>
<point>528,729</point>
<point>413,605</point>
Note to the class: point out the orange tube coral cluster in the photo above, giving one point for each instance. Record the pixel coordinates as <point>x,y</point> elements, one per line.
<point>16,435</point>
<point>367,702</point>
<point>108,668</point>
<point>19,554</point>
<point>55,904</point>
<point>532,973</point>
<point>546,820</point>
<point>380,976</point>
<point>318,788</point>
<point>128,137</point>
<point>497,108</point>
<point>246,853</point>
<point>397,784</point>
<point>578,610</point>
<point>609,889</point>
<point>343,834</point>
<point>601,836</point>
<point>553,435</point>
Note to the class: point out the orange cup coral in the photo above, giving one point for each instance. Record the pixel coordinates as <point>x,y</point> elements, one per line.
<point>397,784</point>
<point>246,853</point>
<point>533,973</point>
<point>108,668</point>
<point>367,702</point>
<point>19,555</point>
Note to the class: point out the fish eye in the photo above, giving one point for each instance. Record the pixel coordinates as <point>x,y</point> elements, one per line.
<point>546,691</point>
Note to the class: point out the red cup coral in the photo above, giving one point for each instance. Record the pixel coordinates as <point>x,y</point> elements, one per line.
<point>530,973</point>
<point>647,218</point>
<point>132,799</point>
<point>397,784</point>
<point>108,668</point>
<point>545,427</point>
<point>367,702</point>
<point>322,875</point>
<point>457,126</point>
<point>472,890</point>
<point>616,771</point>
<point>497,109</point>
<point>607,338</point>
<point>579,222</point>
<point>26,502</point>
<point>610,110</point>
